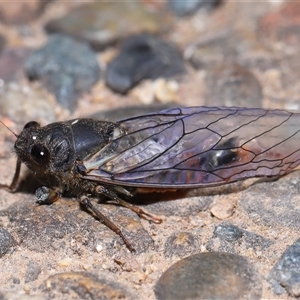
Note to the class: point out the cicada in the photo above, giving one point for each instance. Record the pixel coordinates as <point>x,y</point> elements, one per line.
<point>177,148</point>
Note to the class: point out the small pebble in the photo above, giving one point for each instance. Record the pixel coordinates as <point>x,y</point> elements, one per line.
<point>143,57</point>
<point>232,239</point>
<point>213,275</point>
<point>16,280</point>
<point>181,244</point>
<point>6,241</point>
<point>226,238</point>
<point>65,262</point>
<point>33,271</point>
<point>228,232</point>
<point>68,68</point>
<point>285,275</point>
<point>166,91</point>
<point>99,248</point>
<point>183,8</point>
<point>85,286</point>
<point>224,208</point>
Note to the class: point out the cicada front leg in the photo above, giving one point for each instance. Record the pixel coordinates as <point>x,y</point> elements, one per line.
<point>47,195</point>
<point>14,184</point>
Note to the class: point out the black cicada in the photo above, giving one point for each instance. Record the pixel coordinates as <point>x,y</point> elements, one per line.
<point>171,149</point>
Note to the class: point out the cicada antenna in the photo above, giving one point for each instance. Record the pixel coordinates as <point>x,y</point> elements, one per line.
<point>9,129</point>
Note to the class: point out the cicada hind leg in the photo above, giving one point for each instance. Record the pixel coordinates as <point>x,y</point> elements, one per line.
<point>104,220</point>
<point>114,197</point>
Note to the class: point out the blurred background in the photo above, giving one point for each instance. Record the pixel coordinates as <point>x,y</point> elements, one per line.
<point>61,59</point>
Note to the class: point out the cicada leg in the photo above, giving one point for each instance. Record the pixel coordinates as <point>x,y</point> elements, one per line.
<point>47,195</point>
<point>140,212</point>
<point>14,184</point>
<point>104,220</point>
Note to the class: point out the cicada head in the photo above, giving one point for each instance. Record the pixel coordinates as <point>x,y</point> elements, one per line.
<point>45,150</point>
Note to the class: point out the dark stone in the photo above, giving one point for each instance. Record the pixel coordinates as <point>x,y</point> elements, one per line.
<point>85,286</point>
<point>6,241</point>
<point>183,8</point>
<point>232,85</point>
<point>68,68</point>
<point>143,57</point>
<point>209,276</point>
<point>230,238</point>
<point>33,271</point>
<point>285,275</point>
<point>16,280</point>
<point>181,244</point>
<point>105,22</point>
<point>230,233</point>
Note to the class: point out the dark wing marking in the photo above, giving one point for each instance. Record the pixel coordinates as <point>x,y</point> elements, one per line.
<point>199,146</point>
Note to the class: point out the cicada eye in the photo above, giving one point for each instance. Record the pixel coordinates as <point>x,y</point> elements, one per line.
<point>40,154</point>
<point>32,124</point>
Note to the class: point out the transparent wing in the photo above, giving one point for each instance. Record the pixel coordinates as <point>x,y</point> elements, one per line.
<point>199,146</point>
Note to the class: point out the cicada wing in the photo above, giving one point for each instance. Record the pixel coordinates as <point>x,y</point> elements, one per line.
<point>198,146</point>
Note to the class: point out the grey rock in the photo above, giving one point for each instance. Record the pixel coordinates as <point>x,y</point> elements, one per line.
<point>285,275</point>
<point>181,244</point>
<point>6,241</point>
<point>33,270</point>
<point>183,8</point>
<point>67,66</point>
<point>143,57</point>
<point>209,276</point>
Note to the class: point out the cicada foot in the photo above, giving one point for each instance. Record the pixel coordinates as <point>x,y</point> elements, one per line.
<point>46,195</point>
<point>140,212</point>
<point>104,220</point>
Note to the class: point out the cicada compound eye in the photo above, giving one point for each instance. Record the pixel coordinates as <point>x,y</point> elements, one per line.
<point>40,154</point>
<point>32,124</point>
